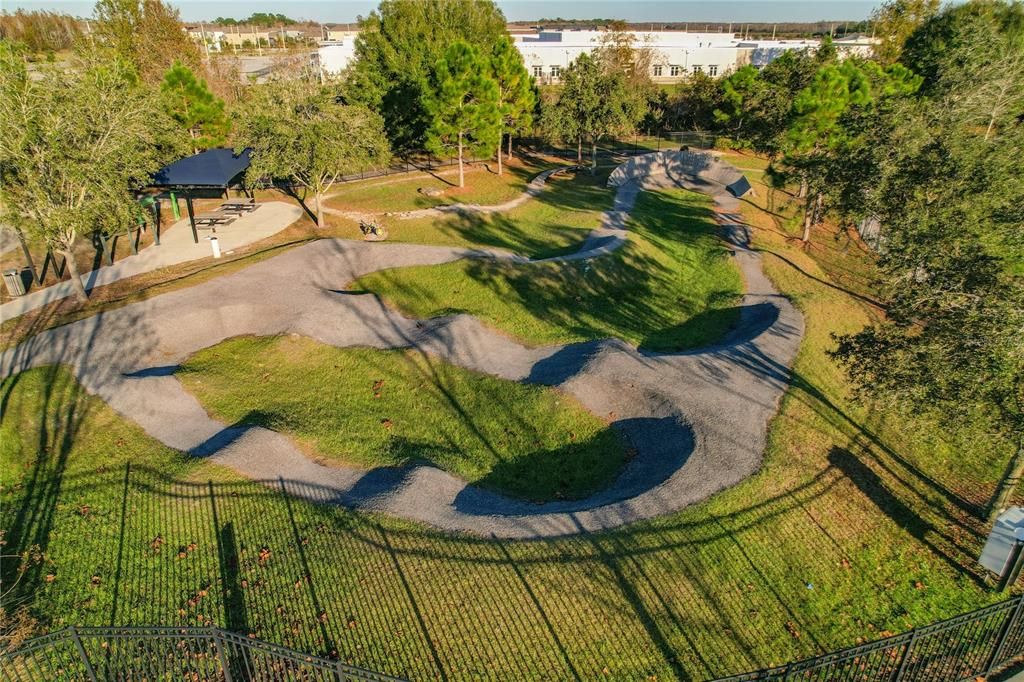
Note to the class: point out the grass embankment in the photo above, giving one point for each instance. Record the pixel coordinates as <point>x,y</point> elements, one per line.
<point>671,286</point>
<point>375,408</point>
<point>859,523</point>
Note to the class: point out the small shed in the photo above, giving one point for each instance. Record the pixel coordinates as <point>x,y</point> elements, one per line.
<point>207,174</point>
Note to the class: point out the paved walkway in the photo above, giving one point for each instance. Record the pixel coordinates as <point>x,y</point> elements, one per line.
<point>697,420</point>
<point>176,246</point>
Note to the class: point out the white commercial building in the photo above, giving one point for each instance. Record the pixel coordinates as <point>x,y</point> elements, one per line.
<point>675,54</point>
<point>336,54</point>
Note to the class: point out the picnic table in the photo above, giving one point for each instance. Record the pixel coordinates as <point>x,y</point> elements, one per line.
<point>239,207</point>
<point>210,221</point>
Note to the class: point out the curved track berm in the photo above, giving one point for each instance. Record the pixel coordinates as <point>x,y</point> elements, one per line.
<point>696,420</point>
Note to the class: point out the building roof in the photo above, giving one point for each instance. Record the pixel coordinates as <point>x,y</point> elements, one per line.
<point>211,168</point>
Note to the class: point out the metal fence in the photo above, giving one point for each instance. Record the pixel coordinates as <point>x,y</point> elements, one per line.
<point>168,653</point>
<point>535,144</point>
<point>966,647</point>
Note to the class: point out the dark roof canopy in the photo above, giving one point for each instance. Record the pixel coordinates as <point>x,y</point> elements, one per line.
<point>211,168</point>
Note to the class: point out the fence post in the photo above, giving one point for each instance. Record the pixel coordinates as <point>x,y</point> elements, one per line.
<point>905,658</point>
<point>220,655</point>
<point>81,652</point>
<point>1008,624</point>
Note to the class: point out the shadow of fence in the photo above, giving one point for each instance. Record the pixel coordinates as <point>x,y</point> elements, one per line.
<point>246,556</point>
<point>967,647</point>
<point>167,653</point>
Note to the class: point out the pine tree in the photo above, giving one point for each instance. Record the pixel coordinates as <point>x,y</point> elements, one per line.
<point>516,98</point>
<point>191,104</point>
<point>817,137</point>
<point>463,105</point>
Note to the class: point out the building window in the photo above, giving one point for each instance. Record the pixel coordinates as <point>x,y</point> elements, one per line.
<point>556,71</point>
<point>657,71</point>
<point>675,71</point>
<point>713,69</point>
<point>538,71</point>
<point>697,68</point>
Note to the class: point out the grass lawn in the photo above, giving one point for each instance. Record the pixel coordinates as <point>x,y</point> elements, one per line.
<point>401,193</point>
<point>860,523</point>
<point>555,222</point>
<point>672,286</point>
<point>375,408</point>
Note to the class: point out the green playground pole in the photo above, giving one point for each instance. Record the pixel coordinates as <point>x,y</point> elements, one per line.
<point>174,207</point>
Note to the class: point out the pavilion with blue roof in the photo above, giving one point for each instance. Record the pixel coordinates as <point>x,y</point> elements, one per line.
<point>208,174</point>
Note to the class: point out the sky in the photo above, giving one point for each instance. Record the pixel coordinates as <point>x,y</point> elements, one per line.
<point>515,10</point>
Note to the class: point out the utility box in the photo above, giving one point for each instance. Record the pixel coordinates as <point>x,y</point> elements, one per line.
<point>1006,534</point>
<point>15,285</point>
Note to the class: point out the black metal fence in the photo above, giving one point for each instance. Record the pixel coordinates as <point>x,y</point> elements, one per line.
<point>535,144</point>
<point>169,653</point>
<point>966,647</point>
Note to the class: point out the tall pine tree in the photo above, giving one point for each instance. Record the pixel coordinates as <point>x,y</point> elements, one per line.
<point>191,104</point>
<point>462,106</point>
<point>516,98</point>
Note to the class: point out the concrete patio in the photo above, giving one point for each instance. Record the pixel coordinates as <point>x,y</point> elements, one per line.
<point>176,246</point>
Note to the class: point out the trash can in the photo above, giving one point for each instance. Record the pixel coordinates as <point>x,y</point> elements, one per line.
<point>15,286</point>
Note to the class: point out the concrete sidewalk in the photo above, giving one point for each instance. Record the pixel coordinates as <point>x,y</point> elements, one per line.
<point>176,246</point>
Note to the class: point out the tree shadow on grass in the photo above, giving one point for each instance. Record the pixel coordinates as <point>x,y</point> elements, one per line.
<point>410,601</point>
<point>35,499</point>
<point>638,294</point>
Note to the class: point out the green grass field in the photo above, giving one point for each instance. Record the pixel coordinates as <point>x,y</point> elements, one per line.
<point>671,286</point>
<point>373,408</point>
<point>555,222</point>
<point>860,523</point>
<point>401,193</point>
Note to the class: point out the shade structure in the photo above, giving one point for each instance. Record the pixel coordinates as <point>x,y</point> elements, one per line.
<point>213,170</point>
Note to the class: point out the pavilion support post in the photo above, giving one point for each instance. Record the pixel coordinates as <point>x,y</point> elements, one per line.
<point>156,222</point>
<point>191,217</point>
<point>175,211</point>
<point>28,257</point>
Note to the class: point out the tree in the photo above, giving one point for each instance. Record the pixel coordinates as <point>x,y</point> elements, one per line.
<point>397,49</point>
<point>147,34</point>
<point>298,131</point>
<point>621,55</point>
<point>756,107</point>
<point>463,105</point>
<point>817,137</point>
<point>947,188</point>
<point>946,51</point>
<point>516,97</point>
<point>40,31</point>
<point>191,104</point>
<point>74,144</point>
<point>693,105</point>
<point>895,21</point>
<point>590,105</point>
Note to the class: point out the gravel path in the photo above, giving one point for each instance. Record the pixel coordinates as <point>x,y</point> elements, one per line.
<point>697,420</point>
